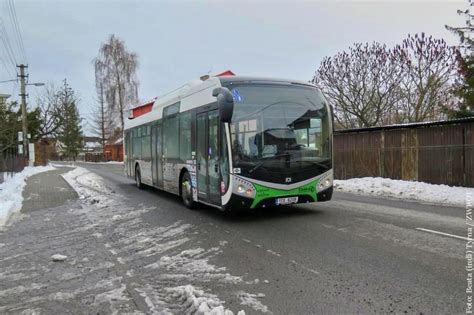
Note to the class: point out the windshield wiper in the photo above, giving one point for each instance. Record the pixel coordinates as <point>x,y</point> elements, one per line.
<point>313,162</point>
<point>265,160</point>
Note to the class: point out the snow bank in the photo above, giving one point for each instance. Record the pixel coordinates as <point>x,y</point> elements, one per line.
<point>198,302</point>
<point>401,189</point>
<point>11,191</point>
<point>89,186</point>
<point>252,301</point>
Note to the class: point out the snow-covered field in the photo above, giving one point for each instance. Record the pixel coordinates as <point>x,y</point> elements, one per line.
<point>407,190</point>
<point>11,191</point>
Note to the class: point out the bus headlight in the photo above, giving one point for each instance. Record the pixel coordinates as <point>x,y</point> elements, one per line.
<point>243,187</point>
<point>325,182</point>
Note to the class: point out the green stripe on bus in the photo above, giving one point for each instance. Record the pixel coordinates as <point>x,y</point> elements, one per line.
<point>263,192</point>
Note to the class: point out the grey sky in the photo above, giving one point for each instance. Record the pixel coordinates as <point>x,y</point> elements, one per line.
<point>181,40</point>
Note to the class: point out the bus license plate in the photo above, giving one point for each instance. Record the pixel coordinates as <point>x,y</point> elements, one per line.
<point>286,201</point>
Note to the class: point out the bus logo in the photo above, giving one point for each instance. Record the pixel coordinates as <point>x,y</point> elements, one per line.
<point>288,180</point>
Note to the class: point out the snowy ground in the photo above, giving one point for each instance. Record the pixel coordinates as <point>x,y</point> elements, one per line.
<point>182,270</point>
<point>11,191</point>
<point>4,176</point>
<point>407,190</point>
<point>109,162</point>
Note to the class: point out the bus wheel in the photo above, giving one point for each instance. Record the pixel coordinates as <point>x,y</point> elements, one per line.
<point>186,191</point>
<point>138,178</point>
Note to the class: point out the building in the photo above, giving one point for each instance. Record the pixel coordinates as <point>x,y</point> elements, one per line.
<point>3,98</point>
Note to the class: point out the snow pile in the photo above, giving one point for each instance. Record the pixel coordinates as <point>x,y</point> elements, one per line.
<point>4,176</point>
<point>400,189</point>
<point>198,302</point>
<point>252,301</point>
<point>58,257</point>
<point>193,264</point>
<point>11,191</point>
<point>89,186</point>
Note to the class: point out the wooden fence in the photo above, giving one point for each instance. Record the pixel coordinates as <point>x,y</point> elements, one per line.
<point>438,153</point>
<point>10,162</point>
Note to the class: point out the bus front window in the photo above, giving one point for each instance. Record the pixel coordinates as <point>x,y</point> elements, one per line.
<point>284,125</point>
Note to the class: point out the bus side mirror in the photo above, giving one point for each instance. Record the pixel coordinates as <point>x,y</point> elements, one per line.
<point>225,101</point>
<point>332,116</point>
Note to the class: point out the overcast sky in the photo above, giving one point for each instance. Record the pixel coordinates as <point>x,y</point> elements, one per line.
<point>177,41</point>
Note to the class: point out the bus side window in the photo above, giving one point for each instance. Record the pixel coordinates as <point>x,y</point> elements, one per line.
<point>171,137</point>
<point>185,136</point>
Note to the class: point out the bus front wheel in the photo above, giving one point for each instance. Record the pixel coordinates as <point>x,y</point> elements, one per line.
<point>186,191</point>
<point>138,178</point>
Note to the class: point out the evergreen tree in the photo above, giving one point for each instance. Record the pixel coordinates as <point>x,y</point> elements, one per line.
<point>9,126</point>
<point>465,88</point>
<point>70,134</point>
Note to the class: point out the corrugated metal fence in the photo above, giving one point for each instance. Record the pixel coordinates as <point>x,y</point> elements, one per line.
<point>438,153</point>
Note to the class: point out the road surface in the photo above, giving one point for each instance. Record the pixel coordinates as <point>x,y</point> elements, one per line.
<point>353,254</point>
<point>142,251</point>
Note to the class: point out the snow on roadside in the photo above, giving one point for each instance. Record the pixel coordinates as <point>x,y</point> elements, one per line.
<point>401,189</point>
<point>108,162</point>
<point>198,302</point>
<point>89,186</point>
<point>252,301</point>
<point>11,191</point>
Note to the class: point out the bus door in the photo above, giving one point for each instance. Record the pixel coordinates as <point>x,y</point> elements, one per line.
<point>208,176</point>
<point>156,156</point>
<point>129,153</point>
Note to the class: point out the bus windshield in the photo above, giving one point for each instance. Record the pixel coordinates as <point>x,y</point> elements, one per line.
<point>279,127</point>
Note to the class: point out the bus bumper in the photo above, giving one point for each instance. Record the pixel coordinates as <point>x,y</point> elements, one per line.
<point>237,202</point>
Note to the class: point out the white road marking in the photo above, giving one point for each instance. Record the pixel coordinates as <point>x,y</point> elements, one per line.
<point>273,253</point>
<point>312,270</point>
<point>442,233</point>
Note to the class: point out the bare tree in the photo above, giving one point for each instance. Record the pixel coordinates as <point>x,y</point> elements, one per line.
<point>361,84</point>
<point>115,71</point>
<point>49,106</point>
<point>429,72</point>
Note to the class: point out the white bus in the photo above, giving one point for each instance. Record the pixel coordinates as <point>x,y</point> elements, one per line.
<point>234,142</point>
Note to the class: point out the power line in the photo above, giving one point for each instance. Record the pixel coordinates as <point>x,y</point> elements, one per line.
<point>7,68</point>
<point>6,43</point>
<point>19,37</point>
<point>15,34</point>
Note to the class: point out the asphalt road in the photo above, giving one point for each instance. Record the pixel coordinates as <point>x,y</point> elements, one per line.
<point>354,254</point>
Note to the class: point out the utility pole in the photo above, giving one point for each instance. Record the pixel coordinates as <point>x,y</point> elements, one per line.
<point>24,118</point>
